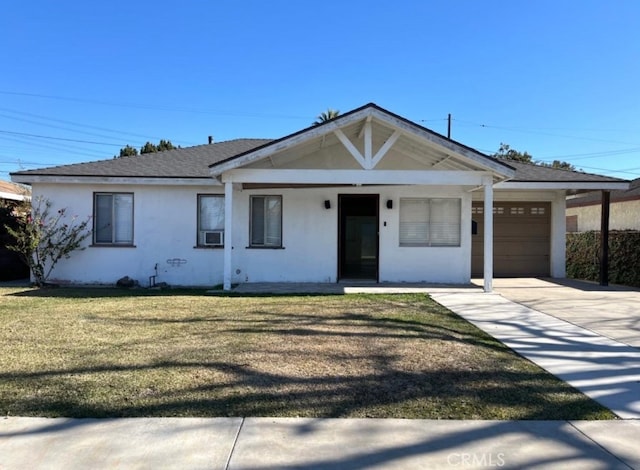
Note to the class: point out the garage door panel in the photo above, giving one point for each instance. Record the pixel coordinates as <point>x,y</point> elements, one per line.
<point>522,230</point>
<point>514,248</point>
<point>522,237</point>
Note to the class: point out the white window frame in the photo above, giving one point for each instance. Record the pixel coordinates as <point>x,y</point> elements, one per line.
<point>267,223</point>
<point>204,228</point>
<point>113,220</point>
<point>426,225</point>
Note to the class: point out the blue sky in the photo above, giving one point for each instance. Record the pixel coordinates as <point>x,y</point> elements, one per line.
<point>559,79</point>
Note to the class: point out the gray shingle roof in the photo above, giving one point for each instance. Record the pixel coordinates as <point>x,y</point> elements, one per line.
<point>194,162</point>
<point>528,172</point>
<point>190,162</point>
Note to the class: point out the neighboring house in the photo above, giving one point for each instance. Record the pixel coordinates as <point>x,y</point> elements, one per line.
<point>367,196</point>
<point>14,192</point>
<point>584,212</point>
<point>11,266</point>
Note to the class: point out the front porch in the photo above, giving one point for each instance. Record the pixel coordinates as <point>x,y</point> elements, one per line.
<point>365,162</point>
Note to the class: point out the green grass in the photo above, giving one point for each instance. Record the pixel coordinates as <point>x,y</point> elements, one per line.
<point>112,353</point>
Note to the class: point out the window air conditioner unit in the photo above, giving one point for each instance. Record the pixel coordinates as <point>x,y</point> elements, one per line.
<point>215,238</point>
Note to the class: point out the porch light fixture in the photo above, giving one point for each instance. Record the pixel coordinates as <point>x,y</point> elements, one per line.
<point>389,204</point>
<point>327,204</point>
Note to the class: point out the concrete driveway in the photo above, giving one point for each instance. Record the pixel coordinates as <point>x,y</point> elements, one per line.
<point>612,311</point>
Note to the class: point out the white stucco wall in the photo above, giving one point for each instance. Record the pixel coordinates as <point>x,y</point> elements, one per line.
<point>310,239</point>
<point>165,219</point>
<point>164,229</point>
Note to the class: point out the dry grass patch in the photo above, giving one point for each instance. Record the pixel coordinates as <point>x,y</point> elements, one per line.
<point>98,353</point>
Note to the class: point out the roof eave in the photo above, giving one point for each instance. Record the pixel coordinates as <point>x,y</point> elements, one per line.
<point>94,179</point>
<point>564,185</point>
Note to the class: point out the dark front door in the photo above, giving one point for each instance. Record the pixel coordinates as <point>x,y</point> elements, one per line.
<point>358,236</point>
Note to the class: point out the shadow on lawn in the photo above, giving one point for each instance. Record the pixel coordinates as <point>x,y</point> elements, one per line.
<point>170,382</point>
<point>241,389</point>
<point>316,324</point>
<point>250,392</point>
<point>106,292</point>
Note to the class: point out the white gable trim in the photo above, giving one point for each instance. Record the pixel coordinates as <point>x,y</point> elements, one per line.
<point>385,148</point>
<point>448,144</point>
<point>366,161</point>
<point>287,143</point>
<point>352,148</point>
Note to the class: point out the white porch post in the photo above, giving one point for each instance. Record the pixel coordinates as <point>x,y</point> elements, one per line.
<point>487,181</point>
<point>558,266</point>
<point>228,233</point>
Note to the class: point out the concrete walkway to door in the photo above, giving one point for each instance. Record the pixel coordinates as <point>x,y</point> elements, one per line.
<point>612,311</point>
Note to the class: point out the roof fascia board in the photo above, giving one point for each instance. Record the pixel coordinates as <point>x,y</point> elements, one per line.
<point>580,185</point>
<point>355,177</point>
<point>30,179</point>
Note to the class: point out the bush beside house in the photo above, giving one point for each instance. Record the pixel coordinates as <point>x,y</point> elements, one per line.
<point>624,256</point>
<point>11,265</point>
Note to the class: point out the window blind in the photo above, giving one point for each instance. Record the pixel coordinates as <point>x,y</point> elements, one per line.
<point>430,222</point>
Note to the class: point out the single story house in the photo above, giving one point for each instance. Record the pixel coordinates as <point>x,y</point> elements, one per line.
<point>368,195</point>
<point>584,211</point>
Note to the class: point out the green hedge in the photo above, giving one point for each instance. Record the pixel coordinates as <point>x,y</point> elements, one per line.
<point>583,260</point>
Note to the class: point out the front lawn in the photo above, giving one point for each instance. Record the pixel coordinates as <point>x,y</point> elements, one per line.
<point>113,353</point>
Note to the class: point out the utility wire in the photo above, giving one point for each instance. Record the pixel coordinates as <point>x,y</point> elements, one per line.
<point>156,107</point>
<point>60,138</point>
<point>52,146</point>
<point>71,123</point>
<point>515,129</point>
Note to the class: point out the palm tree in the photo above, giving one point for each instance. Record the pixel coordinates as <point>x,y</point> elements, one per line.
<point>327,115</point>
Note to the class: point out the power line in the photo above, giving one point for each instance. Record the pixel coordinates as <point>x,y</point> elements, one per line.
<point>113,131</point>
<point>156,107</point>
<point>605,153</point>
<point>55,127</point>
<point>528,131</point>
<point>61,138</point>
<point>52,146</point>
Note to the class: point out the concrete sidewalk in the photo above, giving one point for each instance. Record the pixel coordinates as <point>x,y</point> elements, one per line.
<point>287,443</point>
